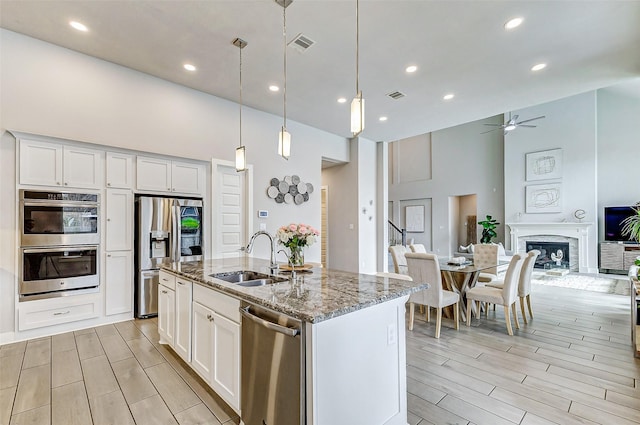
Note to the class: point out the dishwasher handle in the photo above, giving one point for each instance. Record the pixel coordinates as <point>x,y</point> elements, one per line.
<point>267,324</point>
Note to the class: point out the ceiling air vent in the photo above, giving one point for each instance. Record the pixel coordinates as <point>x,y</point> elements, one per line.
<point>396,95</point>
<point>301,43</point>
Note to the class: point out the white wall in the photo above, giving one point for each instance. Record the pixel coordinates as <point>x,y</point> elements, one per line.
<point>367,203</point>
<point>343,214</point>
<point>570,124</point>
<point>352,201</point>
<point>463,161</point>
<point>617,151</point>
<point>57,92</point>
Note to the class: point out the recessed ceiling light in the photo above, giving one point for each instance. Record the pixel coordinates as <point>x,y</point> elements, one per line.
<point>383,118</point>
<point>448,96</point>
<point>189,67</point>
<point>513,23</point>
<point>274,88</point>
<point>538,67</point>
<point>342,100</point>
<point>80,27</point>
<point>411,68</point>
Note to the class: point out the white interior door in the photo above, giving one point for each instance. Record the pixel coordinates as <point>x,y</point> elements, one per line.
<point>230,202</point>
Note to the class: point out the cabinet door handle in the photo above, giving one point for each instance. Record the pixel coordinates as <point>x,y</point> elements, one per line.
<point>58,183</point>
<point>164,292</point>
<point>108,255</point>
<point>180,283</point>
<point>108,184</point>
<point>210,317</point>
<point>108,219</point>
<point>66,184</point>
<point>60,313</point>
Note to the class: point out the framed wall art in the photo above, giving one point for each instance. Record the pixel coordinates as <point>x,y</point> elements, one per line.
<point>414,218</point>
<point>543,198</point>
<point>544,165</point>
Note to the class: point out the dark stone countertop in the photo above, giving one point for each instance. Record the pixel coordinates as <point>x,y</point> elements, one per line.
<point>313,297</point>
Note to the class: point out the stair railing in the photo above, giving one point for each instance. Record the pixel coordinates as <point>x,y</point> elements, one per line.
<point>397,234</point>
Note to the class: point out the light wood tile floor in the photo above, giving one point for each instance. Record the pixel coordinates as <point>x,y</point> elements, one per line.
<point>114,374</point>
<point>572,364</point>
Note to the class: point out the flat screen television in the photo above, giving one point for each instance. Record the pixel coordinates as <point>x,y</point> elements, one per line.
<point>613,218</point>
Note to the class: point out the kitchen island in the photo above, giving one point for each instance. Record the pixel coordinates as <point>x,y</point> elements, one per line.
<point>352,339</point>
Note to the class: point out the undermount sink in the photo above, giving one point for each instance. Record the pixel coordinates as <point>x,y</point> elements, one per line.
<point>248,278</point>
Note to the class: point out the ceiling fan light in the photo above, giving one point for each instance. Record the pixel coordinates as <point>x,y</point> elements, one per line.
<point>241,159</point>
<point>284,143</point>
<point>510,127</point>
<point>357,114</point>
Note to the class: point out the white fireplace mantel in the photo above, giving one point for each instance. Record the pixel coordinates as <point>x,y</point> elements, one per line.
<point>580,231</point>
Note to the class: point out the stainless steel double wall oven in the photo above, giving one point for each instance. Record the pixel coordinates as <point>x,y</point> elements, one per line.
<point>59,241</point>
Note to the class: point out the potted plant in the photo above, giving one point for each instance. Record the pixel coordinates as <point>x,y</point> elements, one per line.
<point>631,225</point>
<point>488,229</point>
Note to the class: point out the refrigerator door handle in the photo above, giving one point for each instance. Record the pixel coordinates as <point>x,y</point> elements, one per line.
<point>177,233</point>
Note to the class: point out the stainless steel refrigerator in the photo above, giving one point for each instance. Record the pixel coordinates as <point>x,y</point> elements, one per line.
<point>168,230</point>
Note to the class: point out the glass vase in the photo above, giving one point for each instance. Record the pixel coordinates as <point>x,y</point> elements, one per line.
<point>296,257</point>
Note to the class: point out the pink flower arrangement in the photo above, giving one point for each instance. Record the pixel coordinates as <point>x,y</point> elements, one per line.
<point>297,235</point>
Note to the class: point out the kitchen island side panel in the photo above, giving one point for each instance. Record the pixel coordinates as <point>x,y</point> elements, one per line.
<point>356,367</point>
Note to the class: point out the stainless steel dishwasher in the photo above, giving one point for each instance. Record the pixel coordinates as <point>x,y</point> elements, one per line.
<point>272,368</point>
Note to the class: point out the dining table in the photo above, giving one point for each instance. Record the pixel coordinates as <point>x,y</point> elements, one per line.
<point>461,277</point>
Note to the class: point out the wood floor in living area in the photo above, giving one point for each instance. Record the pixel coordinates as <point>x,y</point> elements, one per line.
<point>571,365</point>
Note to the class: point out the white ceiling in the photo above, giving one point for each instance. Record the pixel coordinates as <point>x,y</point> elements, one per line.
<point>459,47</point>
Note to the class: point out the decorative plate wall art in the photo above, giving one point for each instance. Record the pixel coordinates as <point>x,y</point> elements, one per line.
<point>289,190</point>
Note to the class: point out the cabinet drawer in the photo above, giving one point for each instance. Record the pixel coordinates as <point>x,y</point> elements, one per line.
<point>220,303</point>
<point>167,279</point>
<point>37,314</point>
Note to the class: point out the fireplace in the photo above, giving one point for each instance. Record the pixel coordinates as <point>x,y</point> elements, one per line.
<point>582,243</point>
<point>553,255</point>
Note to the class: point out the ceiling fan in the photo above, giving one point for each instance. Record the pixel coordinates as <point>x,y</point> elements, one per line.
<point>512,124</point>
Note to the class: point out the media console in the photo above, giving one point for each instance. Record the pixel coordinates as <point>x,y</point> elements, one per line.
<point>618,257</point>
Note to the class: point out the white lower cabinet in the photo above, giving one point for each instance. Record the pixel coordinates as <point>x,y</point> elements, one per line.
<point>216,345</point>
<point>201,355</point>
<point>225,379</point>
<point>182,340</point>
<point>166,314</point>
<point>54,311</point>
<point>118,282</point>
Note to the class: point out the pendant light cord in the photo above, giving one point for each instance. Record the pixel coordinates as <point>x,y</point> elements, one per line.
<point>284,91</point>
<point>240,48</point>
<point>357,49</point>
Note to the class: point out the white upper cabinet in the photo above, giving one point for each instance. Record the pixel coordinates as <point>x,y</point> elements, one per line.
<point>40,163</point>
<point>187,177</point>
<point>162,175</point>
<point>54,164</point>
<point>83,167</point>
<point>153,174</point>
<point>119,170</point>
<point>119,207</point>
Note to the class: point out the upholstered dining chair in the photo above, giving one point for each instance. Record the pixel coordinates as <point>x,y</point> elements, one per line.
<point>486,254</point>
<point>399,261</point>
<point>505,296</point>
<point>418,247</point>
<point>423,268</point>
<point>524,283</point>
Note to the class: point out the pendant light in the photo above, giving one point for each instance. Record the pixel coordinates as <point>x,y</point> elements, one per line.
<point>241,153</point>
<point>357,104</point>
<point>284,138</point>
